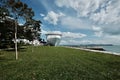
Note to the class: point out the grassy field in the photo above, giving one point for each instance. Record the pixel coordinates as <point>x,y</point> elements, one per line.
<point>58,63</point>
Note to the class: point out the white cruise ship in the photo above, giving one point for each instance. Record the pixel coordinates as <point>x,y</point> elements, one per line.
<point>53,39</point>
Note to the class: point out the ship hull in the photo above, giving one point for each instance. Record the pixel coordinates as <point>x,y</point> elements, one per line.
<point>53,39</point>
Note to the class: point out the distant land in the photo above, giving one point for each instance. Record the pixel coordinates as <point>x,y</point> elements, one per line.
<point>89,45</point>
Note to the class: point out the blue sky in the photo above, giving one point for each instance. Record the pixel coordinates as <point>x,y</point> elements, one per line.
<point>79,21</point>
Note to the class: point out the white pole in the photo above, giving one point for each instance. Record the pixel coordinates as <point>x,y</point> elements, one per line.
<point>16,52</point>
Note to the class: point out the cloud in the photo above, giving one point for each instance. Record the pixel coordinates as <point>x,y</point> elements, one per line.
<point>69,42</point>
<point>109,14</point>
<point>53,17</point>
<point>70,38</point>
<point>72,35</point>
<point>42,15</point>
<point>101,17</point>
<point>67,34</point>
<point>82,7</point>
<point>112,30</point>
<point>74,42</point>
<point>97,31</point>
<point>43,31</point>
<point>101,11</point>
<point>67,37</point>
<point>96,28</point>
<point>107,39</point>
<point>105,13</point>
<point>74,23</point>
<point>114,39</point>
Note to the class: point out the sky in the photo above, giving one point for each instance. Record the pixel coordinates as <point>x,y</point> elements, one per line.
<point>79,21</point>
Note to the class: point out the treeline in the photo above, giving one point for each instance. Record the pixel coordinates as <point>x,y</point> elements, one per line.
<point>11,11</point>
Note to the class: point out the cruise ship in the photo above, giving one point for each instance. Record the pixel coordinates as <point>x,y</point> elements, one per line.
<point>53,39</point>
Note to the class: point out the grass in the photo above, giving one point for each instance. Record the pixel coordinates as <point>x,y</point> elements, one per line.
<point>58,63</point>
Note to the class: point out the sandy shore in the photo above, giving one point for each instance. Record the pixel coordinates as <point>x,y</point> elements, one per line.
<point>95,50</point>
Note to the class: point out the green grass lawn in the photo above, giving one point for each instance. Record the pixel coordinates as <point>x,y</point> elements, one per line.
<point>58,63</point>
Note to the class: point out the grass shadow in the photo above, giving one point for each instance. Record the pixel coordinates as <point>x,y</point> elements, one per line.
<point>13,49</point>
<point>3,58</point>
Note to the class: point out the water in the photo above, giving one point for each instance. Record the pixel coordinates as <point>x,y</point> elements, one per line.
<point>114,48</point>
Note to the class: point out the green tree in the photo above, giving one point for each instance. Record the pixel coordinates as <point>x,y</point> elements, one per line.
<point>17,10</point>
<point>6,29</point>
<point>33,27</point>
<point>33,30</point>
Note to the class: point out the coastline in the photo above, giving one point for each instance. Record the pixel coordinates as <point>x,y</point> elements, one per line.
<point>107,52</point>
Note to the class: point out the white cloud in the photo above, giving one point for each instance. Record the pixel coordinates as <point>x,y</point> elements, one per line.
<point>101,11</point>
<point>108,39</point>
<point>68,35</point>
<point>114,39</point>
<point>44,3</point>
<point>105,40</point>
<point>53,17</point>
<point>56,32</point>
<point>104,14</point>
<point>110,14</point>
<point>96,28</point>
<point>66,21</point>
<point>74,42</point>
<point>99,34</point>
<point>74,23</point>
<point>111,29</point>
<point>79,38</point>
<point>43,31</point>
<point>97,31</point>
<point>69,42</point>
<point>71,38</point>
<point>72,35</point>
<point>82,7</point>
<point>42,15</point>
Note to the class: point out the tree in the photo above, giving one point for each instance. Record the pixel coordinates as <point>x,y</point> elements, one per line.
<point>6,29</point>
<point>34,27</point>
<point>19,9</point>
<point>3,13</point>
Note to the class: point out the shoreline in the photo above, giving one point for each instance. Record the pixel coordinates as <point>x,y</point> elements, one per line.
<point>114,53</point>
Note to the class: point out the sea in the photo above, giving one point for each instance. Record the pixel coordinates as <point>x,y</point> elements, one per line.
<point>114,48</point>
<point>108,48</point>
